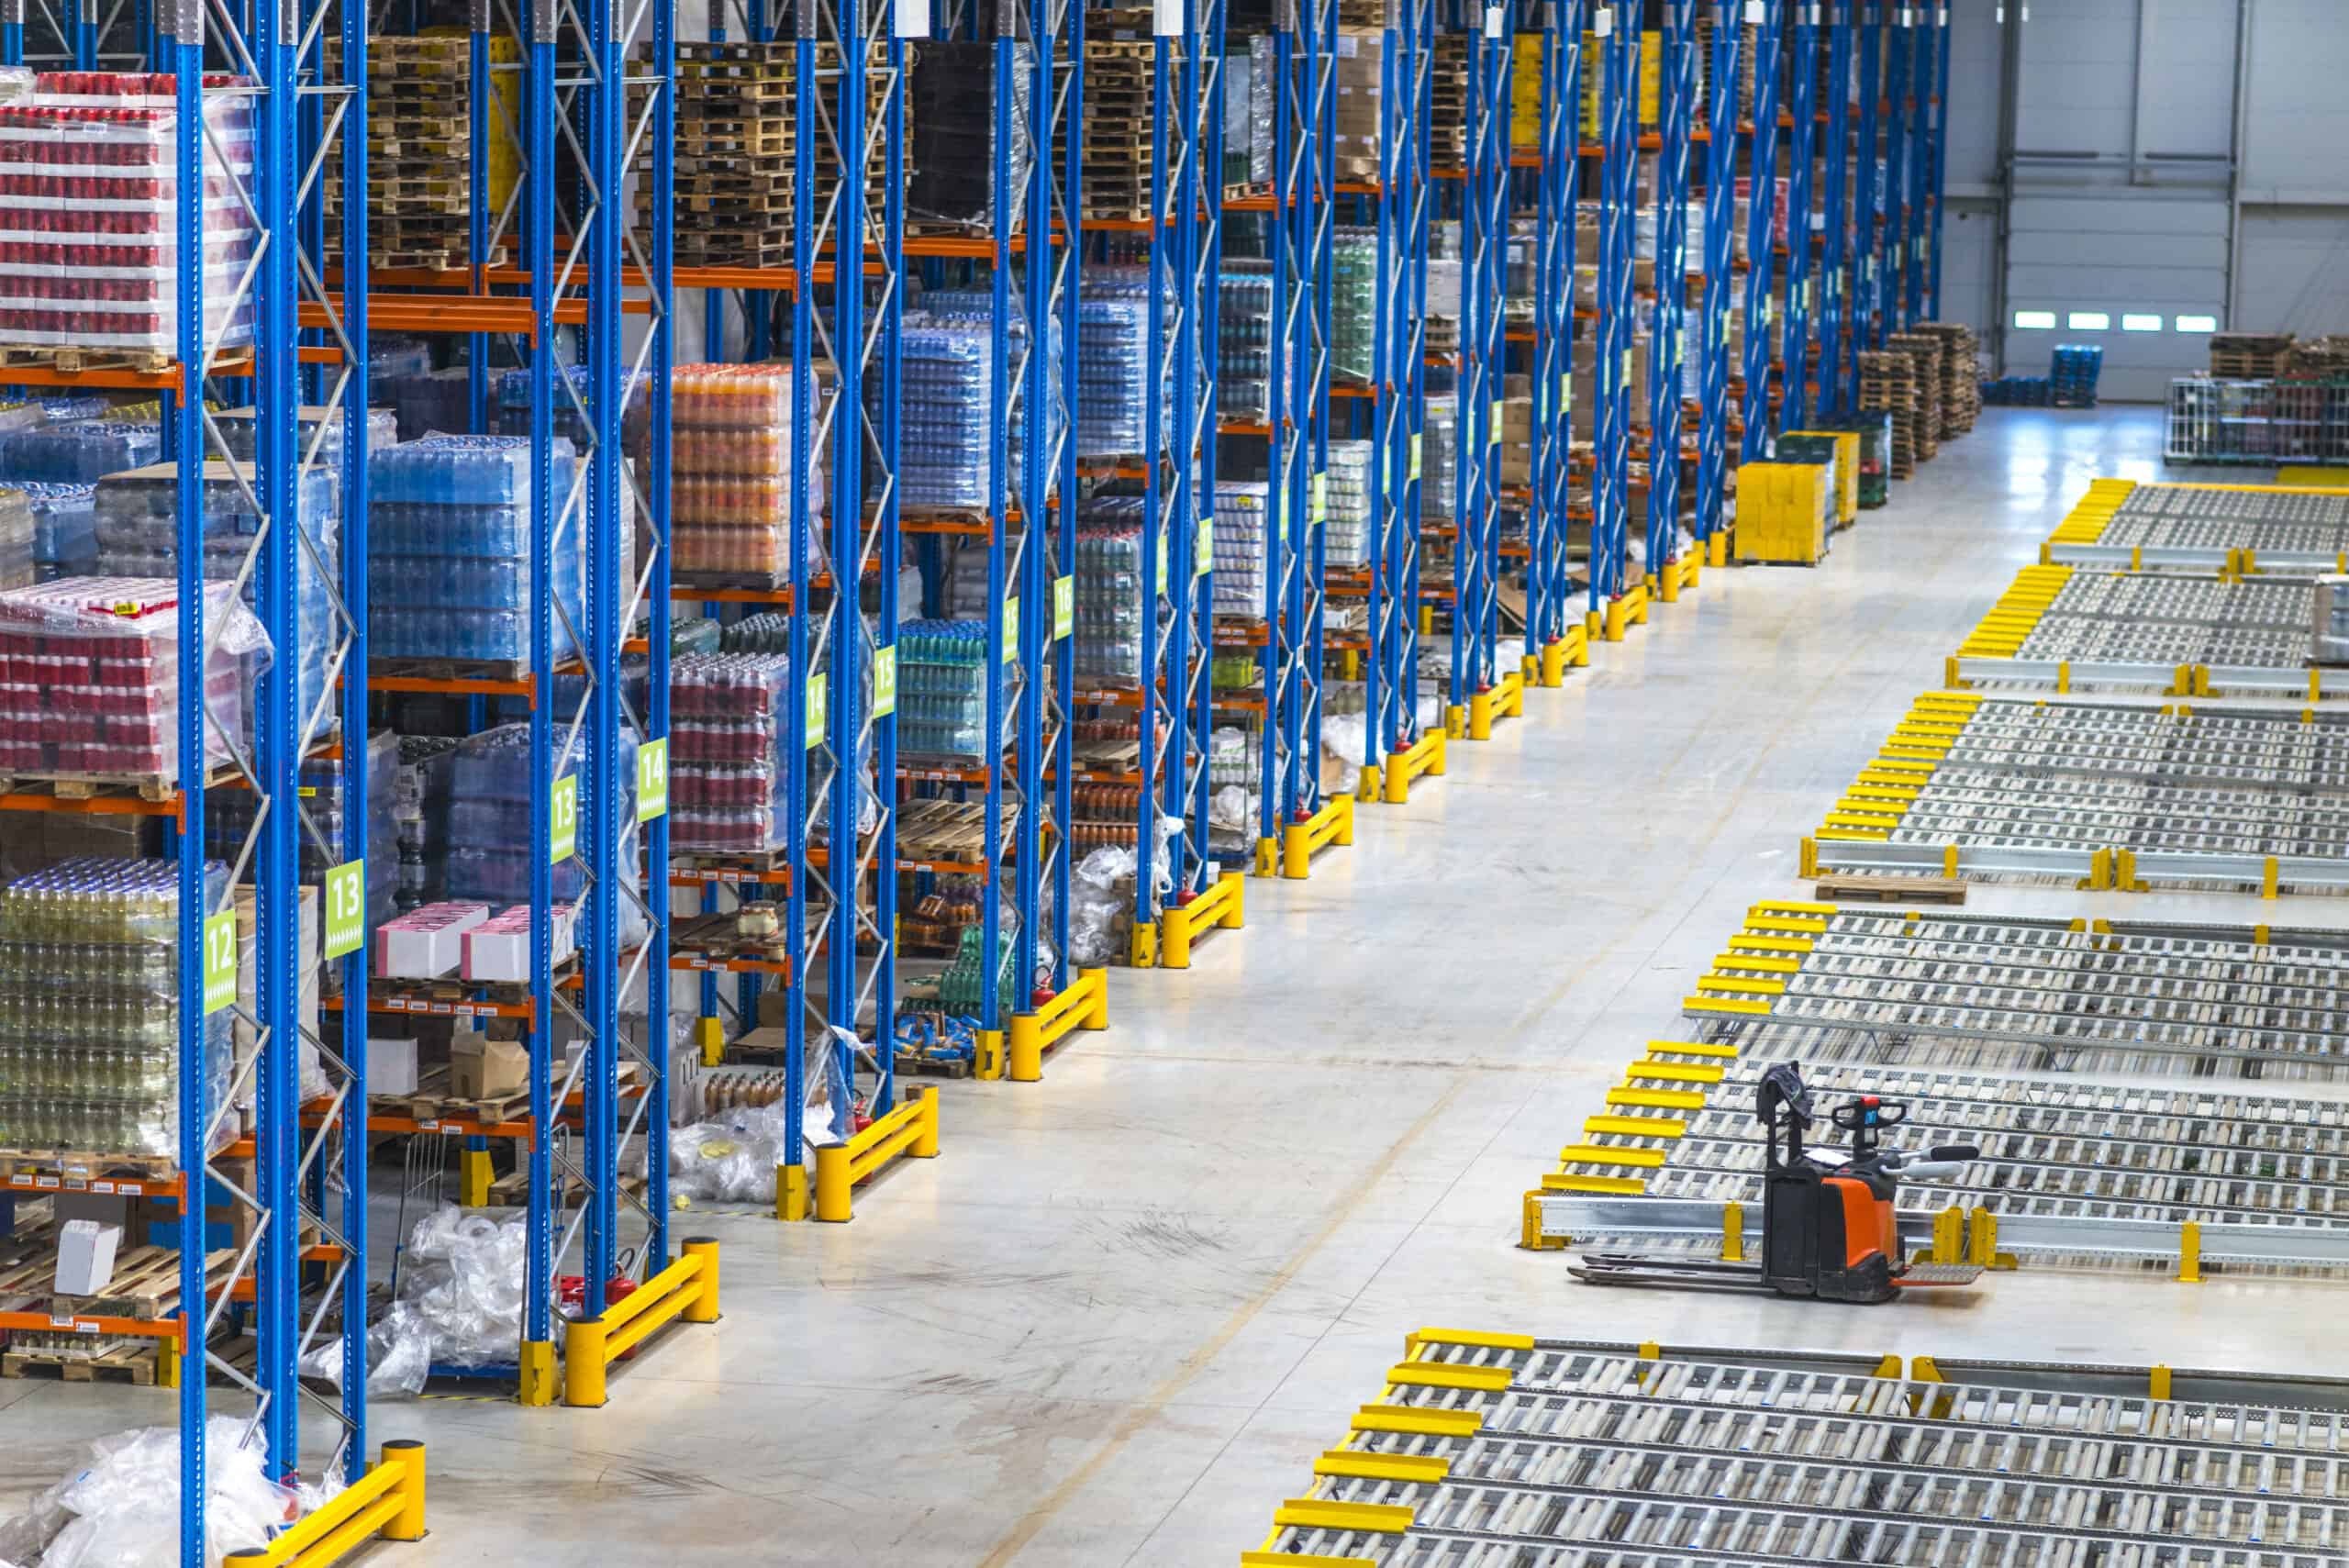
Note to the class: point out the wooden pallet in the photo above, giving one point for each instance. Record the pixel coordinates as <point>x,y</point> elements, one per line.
<point>1873,887</point>
<point>932,1066</point>
<point>68,358</point>
<point>75,1169</point>
<point>433,1101</point>
<point>503,670</point>
<point>132,1364</point>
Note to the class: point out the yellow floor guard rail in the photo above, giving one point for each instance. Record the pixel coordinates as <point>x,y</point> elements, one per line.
<point>1180,925</point>
<point>1334,824</point>
<point>686,1288</point>
<point>910,1129</point>
<point>1506,700</point>
<point>388,1501</point>
<point>1549,668</point>
<point>1425,756</point>
<point>1083,1006</point>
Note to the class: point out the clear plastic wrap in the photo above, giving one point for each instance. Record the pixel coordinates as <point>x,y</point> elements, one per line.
<point>237,431</point>
<point>1114,362</point>
<point>941,689</point>
<point>731,476</point>
<point>17,538</point>
<point>731,1157</point>
<point>1241,548</point>
<point>65,534</point>
<point>90,213</point>
<point>946,435</point>
<point>448,550</point>
<point>1108,611</point>
<point>730,717</point>
<point>120,1507</point>
<point>489,813</point>
<point>89,1007</point>
<point>951,122</point>
<point>90,678</point>
<point>460,1303</point>
<point>1354,306</point>
<point>1101,890</point>
<point>1346,520</point>
<point>136,518</point>
<point>77,452</point>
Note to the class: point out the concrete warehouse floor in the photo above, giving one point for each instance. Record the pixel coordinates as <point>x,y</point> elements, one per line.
<point>1116,1321</point>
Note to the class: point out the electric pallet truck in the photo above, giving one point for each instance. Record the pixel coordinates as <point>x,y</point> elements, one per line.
<point>1829,1226</point>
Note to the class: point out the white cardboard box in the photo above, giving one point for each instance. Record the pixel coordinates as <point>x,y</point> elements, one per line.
<point>86,1256</point>
<point>426,943</point>
<point>391,1066</point>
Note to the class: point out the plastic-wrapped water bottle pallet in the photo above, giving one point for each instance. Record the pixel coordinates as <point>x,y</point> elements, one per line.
<point>76,357</point>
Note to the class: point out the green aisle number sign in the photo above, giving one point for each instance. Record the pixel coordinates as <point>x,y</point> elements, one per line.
<point>819,713</point>
<point>1010,631</point>
<point>653,779</point>
<point>562,818</point>
<point>1203,548</point>
<point>1064,607</point>
<point>346,907</point>
<point>885,682</point>
<point>219,960</point>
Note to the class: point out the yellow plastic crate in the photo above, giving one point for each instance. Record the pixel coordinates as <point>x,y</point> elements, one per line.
<point>1594,73</point>
<point>1782,512</point>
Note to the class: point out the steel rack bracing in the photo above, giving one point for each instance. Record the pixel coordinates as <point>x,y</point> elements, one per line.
<point>1301,241</point>
<point>1900,145</point>
<point>1398,407</point>
<point>2071,630</point>
<point>2069,1169</point>
<point>1484,242</point>
<point>1550,615</point>
<point>1761,164</point>
<point>1801,55</point>
<point>1487,1450</point>
<point>2204,529</point>
<point>1837,398</point>
<point>1619,96</point>
<point>1677,70</point>
<point>2106,796</point>
<point>1184,246</point>
<point>1711,520</point>
<point>2001,992</point>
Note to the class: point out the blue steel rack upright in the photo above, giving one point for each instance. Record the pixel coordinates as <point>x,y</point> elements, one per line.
<point>1892,293</point>
<point>1924,118</point>
<point>1615,600</point>
<point>1484,243</point>
<point>1837,398</point>
<point>1869,226</point>
<point>1713,356</point>
<point>1301,242</point>
<point>1794,323</point>
<point>1677,73</point>
<point>1046,549</point>
<point>1555,635</point>
<point>1937,154</point>
<point>1761,230</point>
<point>1397,745</point>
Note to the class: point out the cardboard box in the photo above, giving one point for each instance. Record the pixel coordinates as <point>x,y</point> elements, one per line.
<point>86,1256</point>
<point>426,943</point>
<point>483,1069</point>
<point>391,1066</point>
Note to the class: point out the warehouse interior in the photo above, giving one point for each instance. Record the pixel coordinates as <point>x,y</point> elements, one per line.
<point>1067,784</point>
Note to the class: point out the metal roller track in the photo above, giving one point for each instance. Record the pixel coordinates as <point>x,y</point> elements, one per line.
<point>2203,1001</point>
<point>1492,1452</point>
<point>1987,786</point>
<point>2201,528</point>
<point>2075,630</point>
<point>2067,1169</point>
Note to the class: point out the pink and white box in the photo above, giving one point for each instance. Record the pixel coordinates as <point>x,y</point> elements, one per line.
<point>499,948</point>
<point>426,943</point>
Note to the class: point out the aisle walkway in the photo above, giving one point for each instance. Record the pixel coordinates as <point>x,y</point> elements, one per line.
<point>1114,1322</point>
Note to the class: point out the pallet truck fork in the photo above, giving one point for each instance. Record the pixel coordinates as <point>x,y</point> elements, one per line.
<point>1830,1229</point>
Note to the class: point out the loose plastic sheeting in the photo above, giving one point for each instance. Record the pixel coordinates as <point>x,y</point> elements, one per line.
<point>1100,888</point>
<point>121,1507</point>
<point>460,1303</point>
<point>731,1158</point>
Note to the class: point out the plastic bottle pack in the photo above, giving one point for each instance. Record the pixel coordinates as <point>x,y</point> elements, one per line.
<point>65,539</point>
<point>1240,514</point>
<point>941,689</point>
<point>732,473</point>
<point>89,1007</point>
<point>728,722</point>
<point>448,550</point>
<point>78,453</point>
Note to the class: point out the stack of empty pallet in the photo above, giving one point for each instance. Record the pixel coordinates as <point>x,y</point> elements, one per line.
<point>2322,356</point>
<point>1117,124</point>
<point>1448,119</point>
<point>1925,349</point>
<point>735,151</point>
<point>420,146</point>
<point>1961,378</point>
<point>1888,384</point>
<point>2250,356</point>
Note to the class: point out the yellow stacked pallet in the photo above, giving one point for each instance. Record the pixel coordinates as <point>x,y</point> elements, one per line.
<point>1594,71</point>
<point>1847,469</point>
<point>1782,512</point>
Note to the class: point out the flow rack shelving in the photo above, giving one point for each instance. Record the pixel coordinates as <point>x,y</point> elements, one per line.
<point>2232,529</point>
<point>1487,1448</point>
<point>2074,629</point>
<point>2103,794</point>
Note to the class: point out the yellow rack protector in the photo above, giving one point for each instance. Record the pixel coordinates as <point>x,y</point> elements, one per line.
<point>1691,1048</point>
<point>1416,1421</point>
<point>1320,1513</point>
<point>1443,1374</point>
<point>1634,1125</point>
<point>1473,1338</point>
<point>1605,1154</point>
<point>1657,1099</point>
<point>1417,1468</point>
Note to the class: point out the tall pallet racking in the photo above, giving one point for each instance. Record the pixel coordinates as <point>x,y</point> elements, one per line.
<point>1613,595</point>
<point>1555,634</point>
<point>1676,146</point>
<point>1483,359</point>
<point>1709,523</point>
<point>1761,230</point>
<point>1838,398</point>
<point>1801,55</point>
